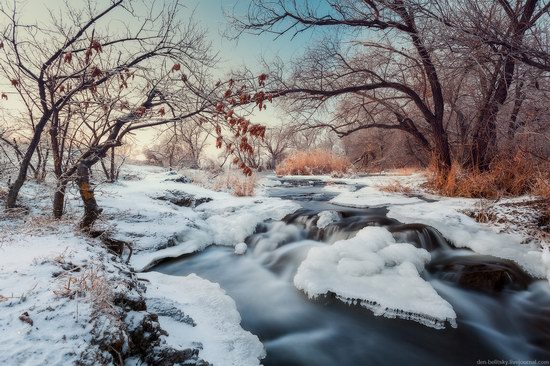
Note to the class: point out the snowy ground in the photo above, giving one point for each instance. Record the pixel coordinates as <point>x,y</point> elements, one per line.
<point>160,229</point>
<point>55,284</point>
<point>52,278</point>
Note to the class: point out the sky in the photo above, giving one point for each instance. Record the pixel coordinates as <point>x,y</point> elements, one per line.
<point>248,50</point>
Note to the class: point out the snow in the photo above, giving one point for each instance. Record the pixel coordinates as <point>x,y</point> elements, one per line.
<point>326,218</point>
<point>215,314</point>
<point>61,328</point>
<point>241,248</point>
<point>372,197</point>
<point>158,229</point>
<point>371,269</point>
<point>381,274</point>
<point>465,232</point>
<point>40,258</point>
<point>446,215</point>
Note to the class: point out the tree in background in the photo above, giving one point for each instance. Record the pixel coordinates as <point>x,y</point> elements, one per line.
<point>438,71</point>
<point>181,145</point>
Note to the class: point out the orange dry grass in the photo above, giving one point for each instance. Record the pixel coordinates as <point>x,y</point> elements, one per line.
<point>314,162</point>
<point>244,186</point>
<point>506,177</point>
<point>396,187</point>
<point>406,170</point>
<point>542,189</point>
<point>239,184</point>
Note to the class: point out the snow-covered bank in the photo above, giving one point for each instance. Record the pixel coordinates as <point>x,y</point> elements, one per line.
<point>200,312</point>
<point>143,215</point>
<point>447,216</point>
<point>65,298</point>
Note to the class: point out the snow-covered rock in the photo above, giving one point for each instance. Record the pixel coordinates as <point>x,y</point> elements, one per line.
<point>326,218</point>
<point>445,215</point>
<point>241,248</point>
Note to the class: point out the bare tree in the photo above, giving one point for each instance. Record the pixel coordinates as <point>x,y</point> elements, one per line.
<point>496,36</point>
<point>404,75</point>
<point>415,66</point>
<point>276,143</point>
<point>181,145</point>
<point>50,66</point>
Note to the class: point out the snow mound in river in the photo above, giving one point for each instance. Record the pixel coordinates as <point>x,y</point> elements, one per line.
<point>382,275</point>
<point>326,218</point>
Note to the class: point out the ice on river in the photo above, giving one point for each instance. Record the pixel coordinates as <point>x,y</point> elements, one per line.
<point>379,273</point>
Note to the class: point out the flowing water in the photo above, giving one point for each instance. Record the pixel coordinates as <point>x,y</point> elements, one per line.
<point>502,313</point>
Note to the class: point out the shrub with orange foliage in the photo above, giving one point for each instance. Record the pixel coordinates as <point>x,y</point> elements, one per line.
<point>507,176</point>
<point>396,187</point>
<point>232,181</point>
<point>314,162</point>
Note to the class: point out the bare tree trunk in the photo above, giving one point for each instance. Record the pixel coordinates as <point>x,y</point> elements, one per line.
<point>57,152</point>
<point>105,170</point>
<point>112,170</point>
<point>91,209</point>
<point>15,187</point>
<point>513,125</point>
<point>59,199</point>
<point>485,133</point>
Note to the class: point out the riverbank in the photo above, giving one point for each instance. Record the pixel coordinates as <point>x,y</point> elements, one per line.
<point>69,298</point>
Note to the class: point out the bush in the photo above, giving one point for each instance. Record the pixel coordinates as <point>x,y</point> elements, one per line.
<point>507,176</point>
<point>231,181</point>
<point>314,162</point>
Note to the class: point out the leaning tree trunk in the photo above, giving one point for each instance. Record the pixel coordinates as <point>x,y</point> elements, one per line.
<point>442,150</point>
<point>91,209</point>
<point>15,187</point>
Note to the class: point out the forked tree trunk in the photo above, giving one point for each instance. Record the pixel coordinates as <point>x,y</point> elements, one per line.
<point>91,209</point>
<point>485,133</point>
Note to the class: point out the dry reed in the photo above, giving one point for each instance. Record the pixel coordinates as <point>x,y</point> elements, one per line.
<point>314,162</point>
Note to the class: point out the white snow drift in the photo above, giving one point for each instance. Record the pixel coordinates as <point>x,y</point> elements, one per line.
<point>379,273</point>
